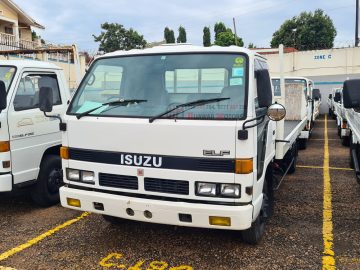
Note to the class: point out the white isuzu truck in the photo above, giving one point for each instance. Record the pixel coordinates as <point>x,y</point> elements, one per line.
<point>340,115</point>
<point>351,102</point>
<point>29,141</point>
<point>299,105</point>
<point>176,135</point>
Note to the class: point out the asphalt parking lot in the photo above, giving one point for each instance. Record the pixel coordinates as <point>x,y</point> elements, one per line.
<point>316,224</point>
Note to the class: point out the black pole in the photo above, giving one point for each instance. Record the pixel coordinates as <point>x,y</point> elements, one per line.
<point>357,24</point>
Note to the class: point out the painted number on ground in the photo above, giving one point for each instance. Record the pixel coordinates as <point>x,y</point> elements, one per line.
<point>116,261</point>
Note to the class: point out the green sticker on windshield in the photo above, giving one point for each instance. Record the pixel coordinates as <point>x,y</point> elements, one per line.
<point>239,62</point>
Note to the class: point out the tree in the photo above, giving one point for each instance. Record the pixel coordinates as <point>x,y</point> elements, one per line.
<point>206,37</point>
<point>307,31</point>
<point>116,37</point>
<point>219,28</point>
<point>251,46</point>
<point>169,35</point>
<point>227,38</point>
<point>182,35</point>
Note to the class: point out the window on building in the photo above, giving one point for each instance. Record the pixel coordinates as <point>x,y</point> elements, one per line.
<point>9,30</point>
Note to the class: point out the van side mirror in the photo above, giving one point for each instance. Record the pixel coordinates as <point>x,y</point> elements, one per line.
<point>264,88</point>
<point>46,99</point>
<point>337,97</point>
<point>351,94</point>
<point>3,95</point>
<point>316,94</point>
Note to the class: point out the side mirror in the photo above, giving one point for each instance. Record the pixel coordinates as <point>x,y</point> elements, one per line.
<point>264,88</point>
<point>330,96</point>
<point>276,112</point>
<point>337,97</point>
<point>3,95</point>
<point>351,94</point>
<point>46,99</point>
<point>316,94</point>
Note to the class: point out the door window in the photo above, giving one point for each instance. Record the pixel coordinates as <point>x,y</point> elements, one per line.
<point>27,94</point>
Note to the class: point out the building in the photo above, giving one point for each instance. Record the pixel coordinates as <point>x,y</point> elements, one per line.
<point>327,68</point>
<point>16,27</point>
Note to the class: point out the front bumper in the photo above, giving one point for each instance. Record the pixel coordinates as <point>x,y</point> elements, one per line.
<point>163,212</point>
<point>5,182</point>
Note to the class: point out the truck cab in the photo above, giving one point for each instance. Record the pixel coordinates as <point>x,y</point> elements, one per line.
<point>176,135</point>
<point>29,141</point>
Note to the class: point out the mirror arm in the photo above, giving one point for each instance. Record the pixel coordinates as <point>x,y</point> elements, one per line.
<point>261,118</point>
<point>62,125</point>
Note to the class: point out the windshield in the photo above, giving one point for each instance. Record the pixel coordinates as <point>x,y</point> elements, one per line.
<point>294,83</point>
<point>165,82</point>
<point>6,75</point>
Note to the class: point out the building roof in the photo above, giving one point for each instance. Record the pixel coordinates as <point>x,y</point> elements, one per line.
<point>23,16</point>
<point>183,48</point>
<point>29,64</point>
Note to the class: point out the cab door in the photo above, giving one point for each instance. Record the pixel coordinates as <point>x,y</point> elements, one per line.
<point>31,133</point>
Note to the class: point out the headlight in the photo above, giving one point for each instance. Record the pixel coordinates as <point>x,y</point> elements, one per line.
<point>87,177</point>
<point>73,175</point>
<point>230,190</point>
<point>206,189</point>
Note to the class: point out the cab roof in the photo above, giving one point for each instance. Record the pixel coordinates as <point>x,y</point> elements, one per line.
<point>29,64</point>
<point>183,48</point>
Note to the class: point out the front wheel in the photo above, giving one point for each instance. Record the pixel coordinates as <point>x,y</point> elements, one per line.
<point>254,234</point>
<point>46,191</point>
<point>302,143</point>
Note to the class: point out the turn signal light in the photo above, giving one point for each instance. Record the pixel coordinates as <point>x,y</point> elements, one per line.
<point>243,166</point>
<point>5,146</point>
<point>220,221</point>
<point>73,202</point>
<point>343,125</point>
<point>64,152</point>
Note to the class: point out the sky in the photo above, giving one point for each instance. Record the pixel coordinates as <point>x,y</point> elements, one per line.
<point>75,21</point>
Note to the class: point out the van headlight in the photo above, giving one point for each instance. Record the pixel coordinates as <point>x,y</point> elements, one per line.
<point>87,177</point>
<point>72,174</point>
<point>230,190</point>
<point>206,189</point>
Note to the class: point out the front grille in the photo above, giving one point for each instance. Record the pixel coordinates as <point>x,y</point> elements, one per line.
<point>118,181</point>
<point>167,186</point>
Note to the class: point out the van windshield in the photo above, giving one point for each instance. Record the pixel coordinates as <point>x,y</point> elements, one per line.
<point>163,82</point>
<point>6,75</point>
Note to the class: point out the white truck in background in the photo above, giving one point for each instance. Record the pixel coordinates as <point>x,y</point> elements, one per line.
<point>299,105</point>
<point>177,135</point>
<point>316,98</point>
<point>351,102</point>
<point>29,141</point>
<point>340,117</point>
<point>331,102</point>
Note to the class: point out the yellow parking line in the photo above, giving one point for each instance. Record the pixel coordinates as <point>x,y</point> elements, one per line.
<point>37,239</point>
<point>347,260</point>
<point>321,167</point>
<point>6,268</point>
<point>328,259</point>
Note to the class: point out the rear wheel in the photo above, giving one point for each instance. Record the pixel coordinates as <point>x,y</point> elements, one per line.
<point>345,140</point>
<point>46,191</point>
<point>302,143</point>
<point>339,131</point>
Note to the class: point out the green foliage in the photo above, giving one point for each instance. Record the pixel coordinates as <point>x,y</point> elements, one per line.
<point>206,37</point>
<point>116,37</point>
<point>169,35</point>
<point>219,28</point>
<point>182,35</point>
<point>313,31</point>
<point>251,46</point>
<point>227,38</point>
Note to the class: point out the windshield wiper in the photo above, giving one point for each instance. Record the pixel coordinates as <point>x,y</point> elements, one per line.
<point>191,104</point>
<point>121,102</point>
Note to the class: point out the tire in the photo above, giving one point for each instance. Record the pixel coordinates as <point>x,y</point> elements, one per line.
<point>351,158</point>
<point>302,144</point>
<point>330,112</point>
<point>339,131</point>
<point>294,155</point>
<point>46,190</point>
<point>254,234</point>
<point>113,220</point>
<point>345,141</point>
